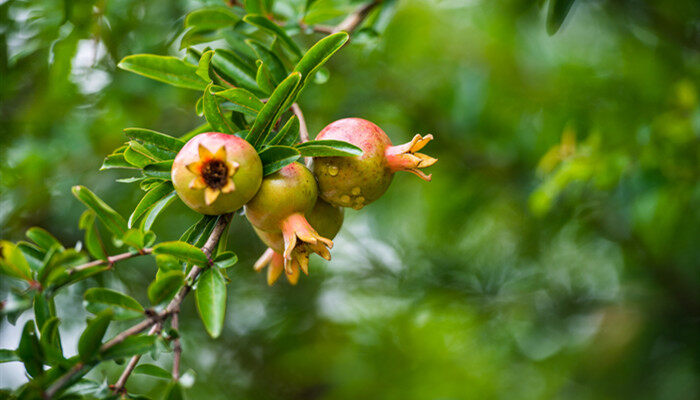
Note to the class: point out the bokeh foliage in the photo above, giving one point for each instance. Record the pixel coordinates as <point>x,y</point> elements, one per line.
<point>554,254</point>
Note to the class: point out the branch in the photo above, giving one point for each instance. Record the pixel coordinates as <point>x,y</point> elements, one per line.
<point>153,321</point>
<point>303,130</point>
<point>173,308</point>
<point>177,347</point>
<point>352,21</point>
<point>110,260</point>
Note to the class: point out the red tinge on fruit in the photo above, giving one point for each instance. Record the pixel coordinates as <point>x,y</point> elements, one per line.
<point>279,208</point>
<point>357,181</point>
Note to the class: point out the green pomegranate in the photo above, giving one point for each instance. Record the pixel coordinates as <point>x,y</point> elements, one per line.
<point>325,218</point>
<point>280,206</point>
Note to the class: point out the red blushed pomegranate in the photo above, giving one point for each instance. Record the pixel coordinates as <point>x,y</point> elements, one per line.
<point>325,218</point>
<point>215,173</point>
<point>357,181</point>
<point>280,206</point>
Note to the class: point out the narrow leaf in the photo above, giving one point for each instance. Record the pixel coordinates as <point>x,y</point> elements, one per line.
<point>211,18</point>
<point>165,286</point>
<point>205,65</point>
<point>212,112</point>
<point>211,301</point>
<point>243,101</point>
<point>42,238</point>
<point>160,170</point>
<point>113,221</point>
<point>112,298</point>
<point>29,350</point>
<point>271,61</point>
<point>157,208</point>
<point>226,259</point>
<point>161,140</point>
<point>263,78</point>
<point>7,355</point>
<point>131,346</point>
<point>272,110</point>
<point>183,251</point>
<point>275,158</point>
<point>317,55</point>
<point>288,135</point>
<point>152,370</point>
<point>264,23</point>
<point>328,148</point>
<point>91,339</point>
<point>153,196</point>
<point>12,261</point>
<point>167,69</point>
<point>558,10</point>
<point>234,69</point>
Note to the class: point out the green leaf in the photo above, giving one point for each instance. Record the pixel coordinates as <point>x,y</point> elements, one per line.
<point>264,23</point>
<point>153,196</point>
<point>131,346</point>
<point>42,310</point>
<point>263,78</point>
<point>211,18</point>
<point>255,7</point>
<point>174,390</point>
<point>112,298</point>
<point>93,242</point>
<point>272,110</point>
<point>7,355</point>
<point>197,36</point>
<point>226,259</point>
<point>205,65</point>
<point>33,254</point>
<point>288,135</point>
<point>211,300</point>
<point>12,261</point>
<point>29,350</point>
<point>234,69</point>
<point>165,286</point>
<point>317,55</point>
<point>43,238</point>
<point>161,140</point>
<point>275,158</point>
<point>243,101</point>
<point>114,222</point>
<point>183,251</point>
<point>558,10</point>
<point>51,342</point>
<point>113,161</point>
<point>328,148</point>
<point>152,370</point>
<point>213,113</point>
<point>160,170</point>
<point>157,208</point>
<point>138,155</point>
<point>277,70</point>
<point>170,70</point>
<point>91,339</point>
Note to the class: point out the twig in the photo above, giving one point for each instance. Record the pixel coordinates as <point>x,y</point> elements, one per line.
<point>155,319</point>
<point>177,347</point>
<point>174,306</point>
<point>110,260</point>
<point>303,130</point>
<point>119,386</point>
<point>352,21</point>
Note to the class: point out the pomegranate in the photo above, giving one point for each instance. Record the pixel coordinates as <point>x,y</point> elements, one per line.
<point>280,206</point>
<point>357,181</point>
<point>325,218</point>
<point>215,173</point>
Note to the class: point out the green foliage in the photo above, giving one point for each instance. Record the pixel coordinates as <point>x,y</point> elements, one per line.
<point>554,254</point>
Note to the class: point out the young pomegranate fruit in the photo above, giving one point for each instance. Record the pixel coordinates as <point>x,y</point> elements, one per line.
<point>280,206</point>
<point>357,181</point>
<point>325,218</point>
<point>215,173</point>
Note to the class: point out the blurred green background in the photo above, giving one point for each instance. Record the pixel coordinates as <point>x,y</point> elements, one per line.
<point>555,254</point>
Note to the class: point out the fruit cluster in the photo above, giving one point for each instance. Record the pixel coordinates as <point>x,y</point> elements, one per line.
<point>295,211</point>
